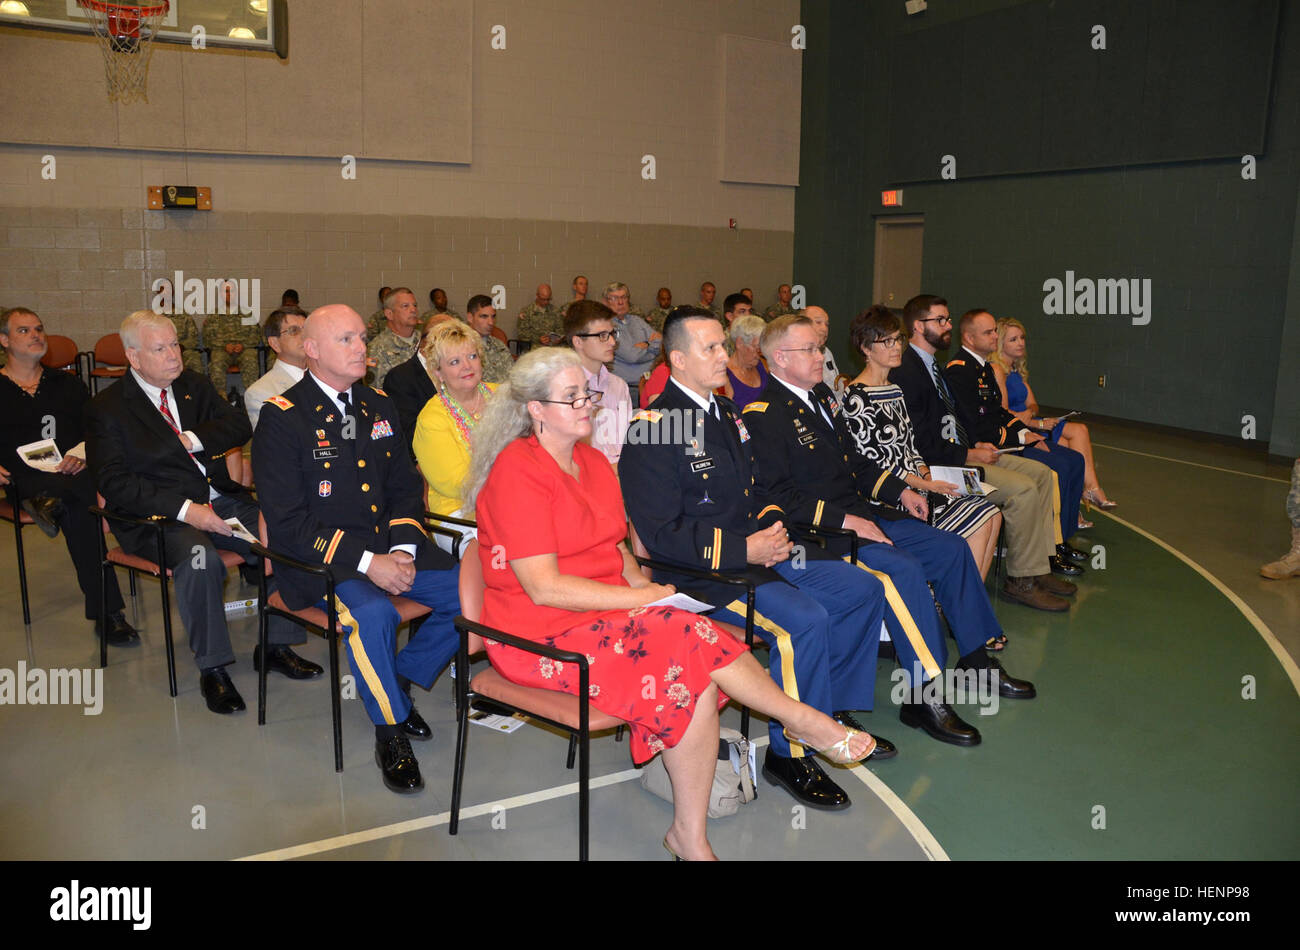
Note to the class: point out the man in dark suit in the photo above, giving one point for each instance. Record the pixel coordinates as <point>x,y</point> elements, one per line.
<point>688,484</point>
<point>339,487</point>
<point>410,386</point>
<point>156,443</point>
<point>807,462</point>
<point>1024,488</point>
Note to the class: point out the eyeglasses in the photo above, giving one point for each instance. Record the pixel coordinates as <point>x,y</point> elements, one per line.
<point>813,350</point>
<point>939,320</point>
<point>888,343</point>
<point>604,336</point>
<point>580,402</point>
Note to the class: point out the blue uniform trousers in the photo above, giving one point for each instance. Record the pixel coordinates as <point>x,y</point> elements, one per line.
<point>910,618</point>
<point>823,635</point>
<point>1068,466</point>
<point>947,563</point>
<point>370,623</point>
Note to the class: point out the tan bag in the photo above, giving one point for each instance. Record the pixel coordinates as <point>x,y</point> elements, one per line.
<point>733,780</point>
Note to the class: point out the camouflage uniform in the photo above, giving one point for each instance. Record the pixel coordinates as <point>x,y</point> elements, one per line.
<point>1289,564</point>
<point>496,360</point>
<point>534,321</point>
<point>187,334</point>
<point>656,318</point>
<point>219,329</point>
<point>777,309</point>
<point>712,308</point>
<point>389,350</point>
<point>376,324</point>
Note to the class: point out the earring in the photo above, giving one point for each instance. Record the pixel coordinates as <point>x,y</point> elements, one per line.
<point>541,426</point>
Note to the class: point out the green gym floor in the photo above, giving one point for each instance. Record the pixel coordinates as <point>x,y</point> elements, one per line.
<point>1165,726</point>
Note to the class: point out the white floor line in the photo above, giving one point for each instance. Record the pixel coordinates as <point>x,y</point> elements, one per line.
<point>926,841</point>
<point>1283,657</point>
<point>1213,468</point>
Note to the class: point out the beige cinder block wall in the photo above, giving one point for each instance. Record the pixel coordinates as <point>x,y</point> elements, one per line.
<point>561,120</point>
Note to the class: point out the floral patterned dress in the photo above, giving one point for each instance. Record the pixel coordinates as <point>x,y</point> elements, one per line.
<point>647,666</point>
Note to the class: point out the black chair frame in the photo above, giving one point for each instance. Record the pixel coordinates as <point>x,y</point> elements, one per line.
<point>15,501</point>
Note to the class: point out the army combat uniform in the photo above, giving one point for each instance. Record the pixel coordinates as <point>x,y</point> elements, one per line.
<point>221,329</point>
<point>536,321</point>
<point>389,350</point>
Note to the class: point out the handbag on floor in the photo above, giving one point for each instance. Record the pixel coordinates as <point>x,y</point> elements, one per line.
<point>733,779</point>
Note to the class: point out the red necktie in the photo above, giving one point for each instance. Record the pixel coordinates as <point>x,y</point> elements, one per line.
<point>167,413</point>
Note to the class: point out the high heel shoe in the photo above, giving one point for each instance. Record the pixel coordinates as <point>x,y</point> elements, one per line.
<point>676,856</point>
<point>1094,498</point>
<point>838,753</point>
<point>1084,524</point>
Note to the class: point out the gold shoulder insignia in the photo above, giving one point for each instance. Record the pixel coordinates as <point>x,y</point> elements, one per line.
<point>956,362</point>
<point>647,415</point>
<point>756,407</point>
<point>280,402</point>
<point>380,391</point>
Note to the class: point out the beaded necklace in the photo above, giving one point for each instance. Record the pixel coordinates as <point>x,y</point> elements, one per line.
<point>464,420</point>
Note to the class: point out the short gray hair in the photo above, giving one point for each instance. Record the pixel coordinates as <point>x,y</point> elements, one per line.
<point>747,329</point>
<point>136,322</point>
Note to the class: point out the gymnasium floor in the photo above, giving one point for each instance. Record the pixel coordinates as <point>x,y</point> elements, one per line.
<point>1140,745</point>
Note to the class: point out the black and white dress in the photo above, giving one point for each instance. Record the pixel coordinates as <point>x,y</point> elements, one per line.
<point>882,431</point>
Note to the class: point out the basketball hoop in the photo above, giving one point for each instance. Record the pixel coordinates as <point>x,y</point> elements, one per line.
<point>125,32</point>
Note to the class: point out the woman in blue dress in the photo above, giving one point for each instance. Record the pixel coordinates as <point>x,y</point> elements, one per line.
<point>1012,373</point>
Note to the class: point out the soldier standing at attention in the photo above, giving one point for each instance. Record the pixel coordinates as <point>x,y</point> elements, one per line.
<point>782,306</point>
<point>540,323</point>
<point>440,311</point>
<point>398,341</point>
<point>707,293</point>
<point>496,355</point>
<point>579,291</point>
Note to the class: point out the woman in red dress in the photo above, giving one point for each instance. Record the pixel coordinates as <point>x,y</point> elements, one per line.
<point>557,570</point>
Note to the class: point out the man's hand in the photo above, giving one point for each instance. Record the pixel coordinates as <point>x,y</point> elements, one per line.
<point>769,546</point>
<point>865,529</point>
<point>205,519</point>
<point>984,453</point>
<point>642,345</point>
<point>70,465</point>
<point>4,475</point>
<point>393,573</point>
<point>185,441</point>
<point>655,336</point>
<point>914,504</point>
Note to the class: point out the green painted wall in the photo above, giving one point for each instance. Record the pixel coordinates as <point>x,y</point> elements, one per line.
<point>1223,254</point>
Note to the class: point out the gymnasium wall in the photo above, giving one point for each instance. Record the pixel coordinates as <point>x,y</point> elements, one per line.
<point>1222,251</point>
<point>546,178</point>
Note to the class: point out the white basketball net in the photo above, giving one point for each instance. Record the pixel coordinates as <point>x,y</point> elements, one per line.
<point>125,33</point>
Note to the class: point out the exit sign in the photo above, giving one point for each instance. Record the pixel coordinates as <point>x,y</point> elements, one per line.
<point>892,199</point>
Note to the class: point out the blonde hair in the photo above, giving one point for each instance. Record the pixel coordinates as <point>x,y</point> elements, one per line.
<point>1005,325</point>
<point>506,417</point>
<point>447,335</point>
<point>134,323</point>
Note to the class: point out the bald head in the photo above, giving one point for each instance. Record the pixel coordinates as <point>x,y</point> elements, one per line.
<point>334,340</point>
<point>543,295</point>
<point>821,320</point>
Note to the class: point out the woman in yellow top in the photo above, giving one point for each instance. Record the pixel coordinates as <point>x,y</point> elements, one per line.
<point>444,431</point>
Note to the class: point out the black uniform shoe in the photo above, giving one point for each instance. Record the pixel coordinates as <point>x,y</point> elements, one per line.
<point>939,721</point>
<point>1063,567</point>
<point>884,748</point>
<point>45,512</point>
<point>804,779</point>
<point>416,727</point>
<point>120,633</point>
<point>1008,686</point>
<point>1072,554</point>
<point>280,659</point>
<point>397,763</point>
<point>220,693</point>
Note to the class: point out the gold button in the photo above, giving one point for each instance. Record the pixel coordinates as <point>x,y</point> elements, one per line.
<point>365,486</point>
<point>746,491</point>
<point>374,508</point>
<point>388,454</point>
<point>706,476</point>
<point>846,458</point>
<point>361,463</point>
<point>327,464</point>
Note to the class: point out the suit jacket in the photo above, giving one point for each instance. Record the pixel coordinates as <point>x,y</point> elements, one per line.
<point>975,392</point>
<point>812,469</point>
<point>330,491</point>
<point>926,409</point>
<point>139,464</point>
<point>691,491</point>
<point>410,387</point>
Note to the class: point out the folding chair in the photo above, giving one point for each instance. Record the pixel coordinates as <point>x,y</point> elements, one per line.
<point>107,361</point>
<point>11,510</point>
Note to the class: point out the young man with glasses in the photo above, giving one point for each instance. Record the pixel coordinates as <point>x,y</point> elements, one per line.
<point>638,343</point>
<point>589,328</point>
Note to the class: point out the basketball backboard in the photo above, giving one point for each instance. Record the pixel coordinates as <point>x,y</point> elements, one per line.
<point>238,24</point>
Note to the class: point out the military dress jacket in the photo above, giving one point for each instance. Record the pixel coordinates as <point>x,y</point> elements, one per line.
<point>331,489</point>
<point>978,401</point>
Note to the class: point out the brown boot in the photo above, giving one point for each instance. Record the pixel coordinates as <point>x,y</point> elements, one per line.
<point>1288,565</point>
<point>1024,590</point>
<point>1054,585</point>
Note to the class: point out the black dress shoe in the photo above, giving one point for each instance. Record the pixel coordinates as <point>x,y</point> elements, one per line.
<point>120,633</point>
<point>220,693</point>
<point>283,660</point>
<point>397,764</point>
<point>804,779</point>
<point>1072,554</point>
<point>415,726</point>
<point>884,748</point>
<point>1066,568</point>
<point>1008,686</point>
<point>939,721</point>
<point>46,512</point>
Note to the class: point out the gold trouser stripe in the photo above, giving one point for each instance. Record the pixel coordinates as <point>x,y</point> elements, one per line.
<point>910,629</point>
<point>717,549</point>
<point>411,521</point>
<point>817,515</point>
<point>875,489</point>
<point>1056,508</point>
<point>334,543</point>
<point>363,662</point>
<point>785,650</point>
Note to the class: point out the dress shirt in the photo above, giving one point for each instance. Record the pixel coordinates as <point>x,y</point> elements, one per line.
<point>155,397</point>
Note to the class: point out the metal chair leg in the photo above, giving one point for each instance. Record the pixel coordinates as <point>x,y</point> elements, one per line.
<point>22,560</point>
<point>573,747</point>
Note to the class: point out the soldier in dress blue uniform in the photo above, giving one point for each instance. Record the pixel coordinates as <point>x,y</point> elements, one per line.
<point>807,462</point>
<point>337,486</point>
<point>688,485</point>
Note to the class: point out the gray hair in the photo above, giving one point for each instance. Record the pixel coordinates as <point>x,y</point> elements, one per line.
<point>614,287</point>
<point>136,322</point>
<point>506,417</point>
<point>747,329</point>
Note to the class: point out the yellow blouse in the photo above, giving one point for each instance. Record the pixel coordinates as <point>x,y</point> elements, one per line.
<point>443,456</point>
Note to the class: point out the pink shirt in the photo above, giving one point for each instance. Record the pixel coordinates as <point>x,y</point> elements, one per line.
<point>613,413</point>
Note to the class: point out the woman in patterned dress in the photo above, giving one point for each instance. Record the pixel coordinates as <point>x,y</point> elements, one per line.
<point>882,430</point>
<point>557,570</point>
